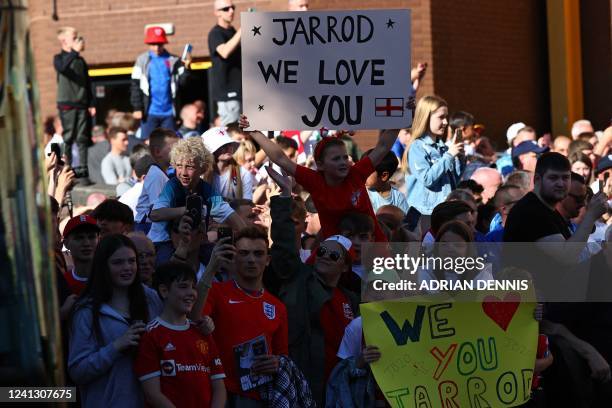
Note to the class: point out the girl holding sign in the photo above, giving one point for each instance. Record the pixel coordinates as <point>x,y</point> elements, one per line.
<point>336,187</point>
<point>435,165</point>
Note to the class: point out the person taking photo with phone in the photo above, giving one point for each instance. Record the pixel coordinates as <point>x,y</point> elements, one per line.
<point>75,101</point>
<point>224,48</point>
<point>435,165</point>
<point>191,160</point>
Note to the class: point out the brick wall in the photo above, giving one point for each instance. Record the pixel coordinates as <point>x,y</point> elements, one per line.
<point>114,31</point>
<point>490,59</point>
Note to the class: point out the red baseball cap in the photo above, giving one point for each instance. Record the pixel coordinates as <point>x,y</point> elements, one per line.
<point>155,35</point>
<point>80,221</point>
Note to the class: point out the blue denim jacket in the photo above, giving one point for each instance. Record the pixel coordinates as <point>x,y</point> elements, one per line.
<point>434,173</point>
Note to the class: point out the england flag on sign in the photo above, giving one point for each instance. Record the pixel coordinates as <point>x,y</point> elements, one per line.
<point>389,107</point>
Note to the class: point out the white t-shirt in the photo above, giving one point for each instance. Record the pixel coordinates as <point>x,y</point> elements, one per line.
<point>226,187</point>
<point>153,184</point>
<point>131,197</point>
<point>351,343</point>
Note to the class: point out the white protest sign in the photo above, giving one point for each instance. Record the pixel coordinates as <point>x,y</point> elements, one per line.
<point>332,69</point>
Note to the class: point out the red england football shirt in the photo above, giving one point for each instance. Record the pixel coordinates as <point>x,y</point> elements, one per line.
<point>332,202</point>
<point>185,360</point>
<point>240,317</point>
<point>75,283</point>
<point>335,315</point>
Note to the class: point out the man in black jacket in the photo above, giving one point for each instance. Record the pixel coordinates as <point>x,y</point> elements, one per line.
<point>75,101</point>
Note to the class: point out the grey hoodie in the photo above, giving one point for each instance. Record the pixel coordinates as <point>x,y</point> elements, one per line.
<point>105,376</point>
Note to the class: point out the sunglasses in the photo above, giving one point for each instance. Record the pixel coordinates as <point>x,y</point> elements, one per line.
<point>333,255</point>
<point>228,8</point>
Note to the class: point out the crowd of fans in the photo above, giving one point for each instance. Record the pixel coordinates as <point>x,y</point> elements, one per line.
<point>226,268</point>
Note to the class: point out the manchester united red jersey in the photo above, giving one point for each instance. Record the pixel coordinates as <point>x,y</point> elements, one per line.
<point>332,202</point>
<point>75,283</point>
<point>185,360</point>
<point>240,317</point>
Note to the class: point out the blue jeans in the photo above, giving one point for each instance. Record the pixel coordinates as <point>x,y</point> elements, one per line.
<point>153,122</point>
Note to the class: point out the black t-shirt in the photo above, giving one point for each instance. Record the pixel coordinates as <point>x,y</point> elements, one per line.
<point>530,219</point>
<point>226,73</point>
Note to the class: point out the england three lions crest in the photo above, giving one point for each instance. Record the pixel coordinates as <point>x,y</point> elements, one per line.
<point>269,310</point>
<point>355,197</point>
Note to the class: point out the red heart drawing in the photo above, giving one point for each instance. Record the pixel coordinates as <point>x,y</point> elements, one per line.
<point>501,312</point>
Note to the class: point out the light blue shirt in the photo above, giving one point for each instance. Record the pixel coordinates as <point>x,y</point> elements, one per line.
<point>220,211</point>
<point>396,198</point>
<point>434,173</point>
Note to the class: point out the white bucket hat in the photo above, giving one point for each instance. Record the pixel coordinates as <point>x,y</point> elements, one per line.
<point>215,138</point>
<point>513,130</point>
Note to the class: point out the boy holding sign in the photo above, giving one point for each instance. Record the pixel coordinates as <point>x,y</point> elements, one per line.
<point>336,187</point>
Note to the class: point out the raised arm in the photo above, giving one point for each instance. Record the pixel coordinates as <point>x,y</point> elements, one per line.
<point>274,152</point>
<point>285,259</point>
<point>569,251</point>
<point>384,145</point>
<point>221,256</point>
<point>61,62</point>
<point>226,49</point>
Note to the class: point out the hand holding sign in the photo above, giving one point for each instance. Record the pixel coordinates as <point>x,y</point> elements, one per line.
<point>370,354</point>
<point>334,69</point>
<point>439,352</point>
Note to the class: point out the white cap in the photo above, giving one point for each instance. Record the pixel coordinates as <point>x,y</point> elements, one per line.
<point>342,240</point>
<point>513,131</point>
<point>215,138</point>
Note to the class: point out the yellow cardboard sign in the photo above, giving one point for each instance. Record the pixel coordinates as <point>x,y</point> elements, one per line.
<point>440,352</point>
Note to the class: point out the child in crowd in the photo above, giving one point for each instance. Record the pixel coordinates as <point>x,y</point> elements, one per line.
<point>161,142</point>
<point>360,229</point>
<point>379,186</point>
<point>106,325</point>
<point>435,166</point>
<point>229,178</point>
<point>190,160</point>
<point>113,217</point>
<point>172,345</point>
<point>81,235</point>
<point>335,187</point>
<point>245,156</point>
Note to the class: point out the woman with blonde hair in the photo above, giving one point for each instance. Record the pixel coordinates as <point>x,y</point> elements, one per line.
<point>245,156</point>
<point>434,165</point>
